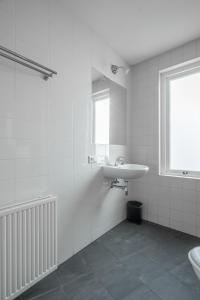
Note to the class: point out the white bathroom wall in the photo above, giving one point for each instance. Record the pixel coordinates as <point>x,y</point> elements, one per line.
<point>45,126</point>
<point>172,202</point>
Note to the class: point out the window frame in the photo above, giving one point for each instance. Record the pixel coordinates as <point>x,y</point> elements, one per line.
<point>165,75</point>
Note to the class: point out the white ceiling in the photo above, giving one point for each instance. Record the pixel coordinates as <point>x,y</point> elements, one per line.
<point>139,29</point>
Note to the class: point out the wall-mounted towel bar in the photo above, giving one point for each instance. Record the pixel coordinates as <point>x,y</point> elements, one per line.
<point>29,63</point>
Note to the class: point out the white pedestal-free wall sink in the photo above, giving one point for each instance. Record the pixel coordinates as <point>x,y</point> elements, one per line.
<point>125,171</point>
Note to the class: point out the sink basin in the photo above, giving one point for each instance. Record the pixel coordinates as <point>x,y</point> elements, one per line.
<point>126,171</point>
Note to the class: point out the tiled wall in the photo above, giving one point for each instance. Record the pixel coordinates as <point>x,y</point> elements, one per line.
<point>172,202</point>
<point>45,127</point>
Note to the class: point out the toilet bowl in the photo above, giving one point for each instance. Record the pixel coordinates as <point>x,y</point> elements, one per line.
<point>194,258</point>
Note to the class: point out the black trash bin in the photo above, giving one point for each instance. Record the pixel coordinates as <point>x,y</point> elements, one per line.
<point>134,211</point>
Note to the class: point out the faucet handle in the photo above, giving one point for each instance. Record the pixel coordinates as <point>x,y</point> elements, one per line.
<point>120,160</point>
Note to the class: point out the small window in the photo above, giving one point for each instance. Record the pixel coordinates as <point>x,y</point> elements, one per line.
<point>101,118</point>
<point>180,120</point>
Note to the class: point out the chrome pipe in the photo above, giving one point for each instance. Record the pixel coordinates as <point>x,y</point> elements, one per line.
<point>115,183</point>
<point>27,59</point>
<point>46,75</point>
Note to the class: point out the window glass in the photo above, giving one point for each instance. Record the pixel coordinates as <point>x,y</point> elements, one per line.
<point>101,121</point>
<point>184,122</point>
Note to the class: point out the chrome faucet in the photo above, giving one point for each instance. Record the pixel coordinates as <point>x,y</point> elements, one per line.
<point>120,160</point>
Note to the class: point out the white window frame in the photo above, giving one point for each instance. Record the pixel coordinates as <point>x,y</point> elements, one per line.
<point>177,71</point>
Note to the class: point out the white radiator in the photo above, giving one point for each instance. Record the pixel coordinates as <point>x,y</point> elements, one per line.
<point>28,245</point>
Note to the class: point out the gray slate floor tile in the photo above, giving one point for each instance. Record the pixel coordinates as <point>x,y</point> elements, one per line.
<point>87,288</point>
<point>185,274</point>
<point>54,295</point>
<point>97,256</point>
<point>50,283</point>
<point>72,269</point>
<point>167,287</point>
<point>130,262</point>
<point>142,293</point>
<point>120,288</point>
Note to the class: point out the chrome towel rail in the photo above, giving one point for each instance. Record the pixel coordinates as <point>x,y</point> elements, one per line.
<point>29,63</point>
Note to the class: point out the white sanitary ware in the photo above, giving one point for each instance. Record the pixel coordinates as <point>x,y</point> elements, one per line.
<point>194,258</point>
<point>125,171</point>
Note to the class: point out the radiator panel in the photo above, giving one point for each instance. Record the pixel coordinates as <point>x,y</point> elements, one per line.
<point>28,245</point>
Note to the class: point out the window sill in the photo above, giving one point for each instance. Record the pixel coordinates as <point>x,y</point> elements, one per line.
<point>179,176</point>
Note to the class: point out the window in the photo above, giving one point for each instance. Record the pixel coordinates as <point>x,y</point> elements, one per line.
<point>180,120</point>
<point>101,117</point>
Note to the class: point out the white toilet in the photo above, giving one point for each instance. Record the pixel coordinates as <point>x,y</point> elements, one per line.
<point>194,258</point>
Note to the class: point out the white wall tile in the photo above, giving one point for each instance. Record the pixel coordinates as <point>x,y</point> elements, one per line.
<point>198,203</point>
<point>23,148</point>
<point>164,220</point>
<point>31,167</point>
<point>7,192</point>
<point>7,148</point>
<point>197,185</point>
<point>189,202</point>
<point>22,129</point>
<point>7,22</point>
<point>7,169</point>
<point>197,42</point>
<point>30,188</point>
<point>7,79</point>
<point>6,128</point>
<point>177,200</point>
<point>45,126</point>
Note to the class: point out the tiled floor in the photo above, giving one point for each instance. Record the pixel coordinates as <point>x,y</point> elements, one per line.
<point>130,262</point>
